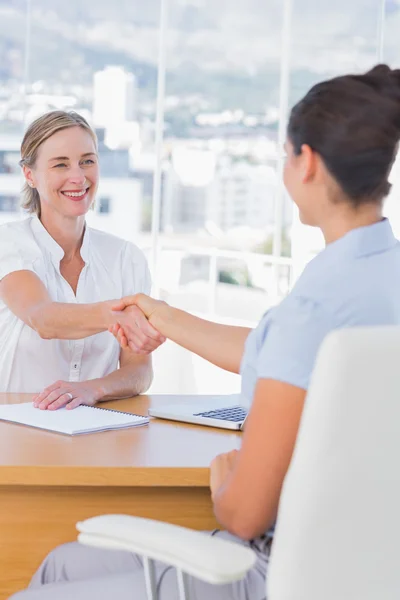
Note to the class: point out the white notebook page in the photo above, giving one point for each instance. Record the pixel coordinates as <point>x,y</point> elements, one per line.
<point>83,419</point>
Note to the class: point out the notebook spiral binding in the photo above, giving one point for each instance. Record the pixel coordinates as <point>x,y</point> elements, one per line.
<point>120,412</point>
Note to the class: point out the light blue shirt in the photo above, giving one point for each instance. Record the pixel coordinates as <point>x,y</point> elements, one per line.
<point>355,281</point>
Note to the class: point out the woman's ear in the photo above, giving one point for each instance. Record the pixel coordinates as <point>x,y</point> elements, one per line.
<point>27,171</point>
<point>308,163</point>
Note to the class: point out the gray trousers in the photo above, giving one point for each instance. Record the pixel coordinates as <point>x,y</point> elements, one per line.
<point>77,572</point>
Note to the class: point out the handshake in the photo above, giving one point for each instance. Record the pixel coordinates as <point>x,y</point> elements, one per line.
<point>137,323</point>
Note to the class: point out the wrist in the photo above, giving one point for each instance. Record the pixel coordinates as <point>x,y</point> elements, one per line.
<point>98,389</point>
<point>107,315</point>
<point>162,317</point>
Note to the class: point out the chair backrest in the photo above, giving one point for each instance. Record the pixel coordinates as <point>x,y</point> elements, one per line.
<point>338,530</point>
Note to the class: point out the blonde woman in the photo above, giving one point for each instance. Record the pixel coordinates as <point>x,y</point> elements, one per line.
<point>59,277</point>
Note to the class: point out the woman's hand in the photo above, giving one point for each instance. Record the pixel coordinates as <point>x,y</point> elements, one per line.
<point>151,308</point>
<point>69,394</point>
<point>220,469</point>
<point>133,328</point>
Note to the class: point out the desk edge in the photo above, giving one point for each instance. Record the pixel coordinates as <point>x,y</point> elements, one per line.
<point>31,475</point>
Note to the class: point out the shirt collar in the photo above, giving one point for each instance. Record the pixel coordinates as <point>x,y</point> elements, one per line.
<point>363,241</point>
<point>56,252</point>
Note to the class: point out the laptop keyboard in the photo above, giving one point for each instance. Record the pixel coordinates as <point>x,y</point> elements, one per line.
<point>232,413</point>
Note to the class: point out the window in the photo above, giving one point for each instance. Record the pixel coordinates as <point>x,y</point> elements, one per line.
<point>225,111</point>
<point>335,38</point>
<point>8,203</point>
<point>104,205</point>
<point>8,160</point>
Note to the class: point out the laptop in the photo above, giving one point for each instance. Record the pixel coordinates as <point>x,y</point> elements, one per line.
<point>226,412</point>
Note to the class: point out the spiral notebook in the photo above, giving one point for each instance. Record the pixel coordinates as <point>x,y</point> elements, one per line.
<point>83,419</point>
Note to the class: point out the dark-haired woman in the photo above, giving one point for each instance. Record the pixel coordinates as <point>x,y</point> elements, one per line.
<point>341,143</point>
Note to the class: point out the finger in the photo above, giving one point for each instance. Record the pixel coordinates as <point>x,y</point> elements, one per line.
<point>136,350</point>
<point>114,329</point>
<point>118,331</point>
<point>134,343</point>
<point>118,307</point>
<point>39,399</point>
<point>119,336</point>
<point>61,401</point>
<point>124,302</point>
<point>74,403</point>
<point>43,395</point>
<point>133,332</point>
<point>52,397</point>
<point>122,339</point>
<point>136,346</point>
<point>232,457</point>
<point>141,339</point>
<point>151,346</point>
<point>144,325</point>
<point>141,342</point>
<point>54,386</point>
<point>43,400</point>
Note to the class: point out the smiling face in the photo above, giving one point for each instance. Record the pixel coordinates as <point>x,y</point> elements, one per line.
<point>66,172</point>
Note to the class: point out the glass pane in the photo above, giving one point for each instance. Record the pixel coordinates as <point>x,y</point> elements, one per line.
<point>391,55</point>
<point>328,39</point>
<point>13,48</point>
<point>221,152</point>
<point>391,48</point>
<point>101,62</point>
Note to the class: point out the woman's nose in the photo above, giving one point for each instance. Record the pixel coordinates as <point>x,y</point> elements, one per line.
<point>77,176</point>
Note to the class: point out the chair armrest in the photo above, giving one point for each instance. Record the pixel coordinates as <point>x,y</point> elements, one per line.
<point>203,556</point>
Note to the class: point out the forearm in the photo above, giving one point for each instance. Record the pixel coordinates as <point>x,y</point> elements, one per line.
<point>246,489</point>
<point>237,514</point>
<point>222,345</point>
<point>129,380</point>
<point>225,514</point>
<point>58,320</point>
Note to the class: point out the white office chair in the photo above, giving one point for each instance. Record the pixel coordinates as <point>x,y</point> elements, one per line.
<point>338,532</point>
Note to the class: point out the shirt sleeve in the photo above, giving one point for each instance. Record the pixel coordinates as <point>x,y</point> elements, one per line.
<point>292,341</point>
<point>16,254</point>
<point>136,273</point>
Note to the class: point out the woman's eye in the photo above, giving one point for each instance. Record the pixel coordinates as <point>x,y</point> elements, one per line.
<point>60,165</point>
<point>88,161</point>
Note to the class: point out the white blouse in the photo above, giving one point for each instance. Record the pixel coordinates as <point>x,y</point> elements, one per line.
<point>113,268</point>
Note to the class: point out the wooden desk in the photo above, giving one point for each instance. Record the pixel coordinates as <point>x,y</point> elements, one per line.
<point>48,481</point>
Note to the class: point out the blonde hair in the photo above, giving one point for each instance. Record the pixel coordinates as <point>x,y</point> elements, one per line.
<point>38,132</point>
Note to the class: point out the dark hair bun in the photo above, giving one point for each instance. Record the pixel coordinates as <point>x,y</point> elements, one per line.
<point>353,122</point>
<point>385,73</point>
<point>386,81</point>
<point>379,71</point>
